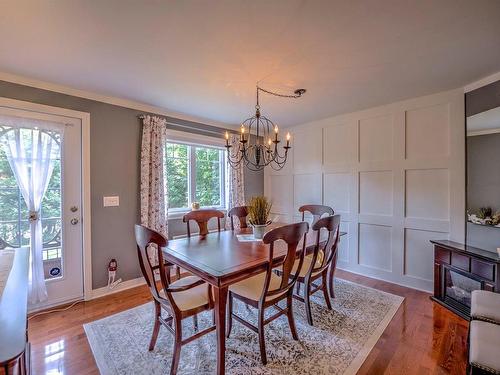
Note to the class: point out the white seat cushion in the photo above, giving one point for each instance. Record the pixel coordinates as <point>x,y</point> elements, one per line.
<point>485,305</point>
<point>191,298</point>
<point>485,345</point>
<point>252,287</point>
<point>306,264</point>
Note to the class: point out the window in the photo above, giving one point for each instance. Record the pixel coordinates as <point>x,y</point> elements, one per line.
<point>195,173</point>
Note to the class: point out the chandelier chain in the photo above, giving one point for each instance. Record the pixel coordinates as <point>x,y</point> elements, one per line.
<point>294,96</point>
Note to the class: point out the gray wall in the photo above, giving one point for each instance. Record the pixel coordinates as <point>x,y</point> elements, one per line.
<point>115,137</point>
<point>483,187</point>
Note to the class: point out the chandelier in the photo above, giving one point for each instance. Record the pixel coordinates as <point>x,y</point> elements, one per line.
<point>261,150</point>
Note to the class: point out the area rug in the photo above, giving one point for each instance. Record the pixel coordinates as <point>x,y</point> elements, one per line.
<point>338,343</point>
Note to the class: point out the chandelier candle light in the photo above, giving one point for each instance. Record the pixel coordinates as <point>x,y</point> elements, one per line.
<point>264,150</point>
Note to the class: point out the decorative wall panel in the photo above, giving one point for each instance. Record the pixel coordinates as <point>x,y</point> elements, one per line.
<point>427,193</point>
<point>375,246</point>
<point>427,132</point>
<point>336,191</point>
<point>419,257</point>
<point>375,192</point>
<point>376,138</point>
<point>340,143</point>
<point>307,147</point>
<point>307,189</point>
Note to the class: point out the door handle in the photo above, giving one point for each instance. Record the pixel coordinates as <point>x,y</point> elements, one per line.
<point>74,221</point>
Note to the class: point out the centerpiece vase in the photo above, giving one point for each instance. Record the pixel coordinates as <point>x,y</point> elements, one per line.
<point>259,231</point>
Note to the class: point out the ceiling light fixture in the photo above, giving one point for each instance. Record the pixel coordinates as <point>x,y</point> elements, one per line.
<point>262,150</point>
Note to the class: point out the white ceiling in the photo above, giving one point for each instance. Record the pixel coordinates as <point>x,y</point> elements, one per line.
<point>203,58</point>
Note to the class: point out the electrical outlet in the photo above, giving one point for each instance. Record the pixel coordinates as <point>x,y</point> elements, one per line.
<point>111,201</point>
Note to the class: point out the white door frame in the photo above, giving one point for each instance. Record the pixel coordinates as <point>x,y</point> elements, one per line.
<point>84,117</point>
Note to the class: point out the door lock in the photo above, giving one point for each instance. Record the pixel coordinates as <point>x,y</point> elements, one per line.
<point>73,209</point>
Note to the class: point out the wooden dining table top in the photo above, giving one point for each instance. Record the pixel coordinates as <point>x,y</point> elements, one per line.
<point>221,259</point>
<point>221,256</point>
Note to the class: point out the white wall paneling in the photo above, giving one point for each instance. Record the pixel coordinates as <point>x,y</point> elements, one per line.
<point>396,176</point>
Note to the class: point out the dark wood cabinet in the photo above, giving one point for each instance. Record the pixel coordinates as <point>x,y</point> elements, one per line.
<point>458,270</point>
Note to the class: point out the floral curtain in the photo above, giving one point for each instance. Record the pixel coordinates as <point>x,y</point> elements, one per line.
<point>235,181</point>
<point>153,183</point>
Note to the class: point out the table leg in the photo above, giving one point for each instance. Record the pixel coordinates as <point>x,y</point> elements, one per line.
<point>220,295</point>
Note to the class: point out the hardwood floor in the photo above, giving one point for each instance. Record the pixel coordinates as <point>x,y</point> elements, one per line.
<point>423,337</point>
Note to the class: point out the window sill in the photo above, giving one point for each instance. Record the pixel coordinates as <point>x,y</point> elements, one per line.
<point>174,215</point>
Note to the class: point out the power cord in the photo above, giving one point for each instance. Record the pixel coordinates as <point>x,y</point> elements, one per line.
<point>55,310</point>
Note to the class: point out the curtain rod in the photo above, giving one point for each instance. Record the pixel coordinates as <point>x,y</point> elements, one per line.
<point>218,133</point>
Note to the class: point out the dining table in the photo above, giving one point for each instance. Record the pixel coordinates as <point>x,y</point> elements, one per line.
<point>222,259</point>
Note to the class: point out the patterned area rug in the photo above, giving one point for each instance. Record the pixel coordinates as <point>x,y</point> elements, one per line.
<point>338,343</point>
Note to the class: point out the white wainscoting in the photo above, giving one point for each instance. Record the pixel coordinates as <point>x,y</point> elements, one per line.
<point>395,173</point>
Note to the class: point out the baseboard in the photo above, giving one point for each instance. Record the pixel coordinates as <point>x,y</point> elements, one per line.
<point>124,285</point>
<point>387,280</point>
<point>54,304</point>
<point>105,291</point>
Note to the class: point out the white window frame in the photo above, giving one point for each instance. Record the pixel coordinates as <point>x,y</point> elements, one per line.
<point>198,140</point>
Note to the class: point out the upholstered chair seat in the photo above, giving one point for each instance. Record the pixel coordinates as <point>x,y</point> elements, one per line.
<point>484,353</point>
<point>253,287</point>
<point>189,299</point>
<point>307,265</point>
<point>485,306</point>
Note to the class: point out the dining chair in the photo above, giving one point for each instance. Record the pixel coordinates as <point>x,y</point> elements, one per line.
<point>241,213</point>
<point>267,289</point>
<point>202,217</point>
<point>180,299</point>
<point>316,210</point>
<point>317,264</point>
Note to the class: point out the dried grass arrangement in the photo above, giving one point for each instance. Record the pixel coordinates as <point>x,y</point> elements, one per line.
<point>259,209</point>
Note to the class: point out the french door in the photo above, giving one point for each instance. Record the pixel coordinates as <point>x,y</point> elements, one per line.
<point>61,206</point>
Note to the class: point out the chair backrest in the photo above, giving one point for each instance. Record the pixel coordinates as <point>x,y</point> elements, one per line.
<point>332,225</point>
<point>150,240</point>
<point>202,217</point>
<point>241,213</point>
<point>292,235</point>
<point>316,210</point>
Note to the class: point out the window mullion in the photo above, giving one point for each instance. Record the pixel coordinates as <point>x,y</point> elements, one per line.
<point>192,174</point>
<point>222,177</point>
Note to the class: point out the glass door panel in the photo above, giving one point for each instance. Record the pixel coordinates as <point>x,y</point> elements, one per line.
<point>60,211</point>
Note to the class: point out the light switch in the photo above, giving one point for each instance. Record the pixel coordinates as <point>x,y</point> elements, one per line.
<point>111,201</point>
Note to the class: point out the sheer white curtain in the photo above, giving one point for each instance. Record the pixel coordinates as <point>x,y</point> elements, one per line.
<point>235,181</point>
<point>31,153</point>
